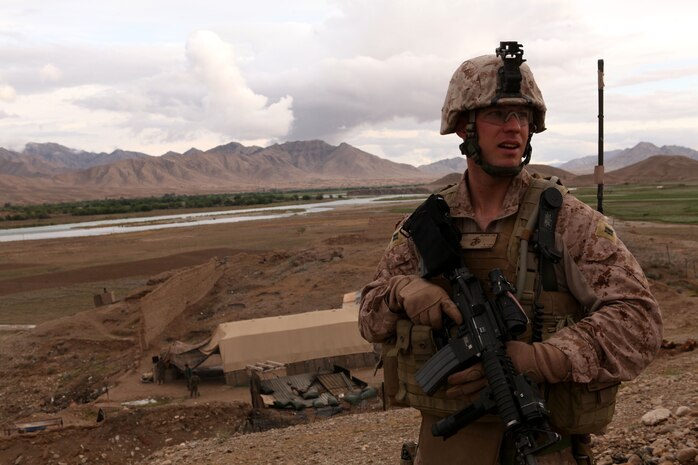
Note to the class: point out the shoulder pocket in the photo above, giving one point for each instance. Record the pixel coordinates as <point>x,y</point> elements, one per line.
<point>602,244</point>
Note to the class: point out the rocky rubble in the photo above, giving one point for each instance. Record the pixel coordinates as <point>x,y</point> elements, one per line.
<point>656,423</point>
<point>661,437</point>
<point>375,438</point>
<point>364,438</point>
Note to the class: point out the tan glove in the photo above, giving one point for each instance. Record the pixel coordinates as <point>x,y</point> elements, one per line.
<point>539,361</point>
<point>422,301</point>
<point>467,384</point>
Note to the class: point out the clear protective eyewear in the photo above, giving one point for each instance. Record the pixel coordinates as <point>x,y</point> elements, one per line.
<point>500,116</point>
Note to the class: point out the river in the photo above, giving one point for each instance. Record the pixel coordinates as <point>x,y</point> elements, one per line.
<point>183,220</point>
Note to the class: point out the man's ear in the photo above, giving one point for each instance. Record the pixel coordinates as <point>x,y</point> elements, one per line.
<point>460,125</point>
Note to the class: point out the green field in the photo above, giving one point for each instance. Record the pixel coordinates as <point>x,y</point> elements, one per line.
<point>670,203</point>
<point>24,216</point>
<point>41,305</point>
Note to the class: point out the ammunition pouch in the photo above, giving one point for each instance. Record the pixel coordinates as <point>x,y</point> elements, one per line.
<point>391,383</point>
<point>580,408</point>
<point>577,408</point>
<point>402,357</point>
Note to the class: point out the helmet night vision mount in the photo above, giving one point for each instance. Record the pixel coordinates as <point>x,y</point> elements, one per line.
<point>509,75</point>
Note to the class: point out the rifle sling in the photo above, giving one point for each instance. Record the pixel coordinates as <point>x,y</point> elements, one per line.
<point>550,203</point>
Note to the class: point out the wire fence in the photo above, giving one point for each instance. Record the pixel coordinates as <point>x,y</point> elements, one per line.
<point>664,256</point>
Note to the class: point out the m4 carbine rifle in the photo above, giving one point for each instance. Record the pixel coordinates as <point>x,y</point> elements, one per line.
<point>487,325</point>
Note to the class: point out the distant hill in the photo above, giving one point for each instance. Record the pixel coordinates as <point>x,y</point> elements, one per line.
<point>445,181</point>
<point>50,172</point>
<point>446,166</point>
<point>459,164</point>
<point>654,170</point>
<point>543,170</point>
<point>72,159</point>
<point>617,159</point>
<point>13,163</point>
<point>53,173</point>
<point>566,177</point>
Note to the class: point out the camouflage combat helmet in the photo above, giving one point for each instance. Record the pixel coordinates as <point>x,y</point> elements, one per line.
<point>501,79</point>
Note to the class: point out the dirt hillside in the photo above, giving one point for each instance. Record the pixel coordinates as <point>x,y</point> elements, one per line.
<point>74,366</point>
<point>52,173</point>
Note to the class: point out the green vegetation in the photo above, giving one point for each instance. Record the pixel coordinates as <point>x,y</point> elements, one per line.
<point>671,203</point>
<point>170,202</point>
<point>405,209</point>
<point>40,215</point>
<point>35,307</point>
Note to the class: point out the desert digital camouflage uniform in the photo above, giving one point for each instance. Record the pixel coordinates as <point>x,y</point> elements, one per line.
<point>618,334</point>
<point>160,371</point>
<point>193,384</point>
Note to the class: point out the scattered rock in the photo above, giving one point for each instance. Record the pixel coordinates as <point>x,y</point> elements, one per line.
<point>687,455</point>
<point>656,416</point>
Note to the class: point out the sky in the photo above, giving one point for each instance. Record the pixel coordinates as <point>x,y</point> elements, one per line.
<point>168,75</point>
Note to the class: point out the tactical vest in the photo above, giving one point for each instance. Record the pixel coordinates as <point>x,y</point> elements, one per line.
<point>575,408</point>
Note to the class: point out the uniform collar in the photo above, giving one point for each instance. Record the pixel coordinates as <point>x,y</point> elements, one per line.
<point>462,206</point>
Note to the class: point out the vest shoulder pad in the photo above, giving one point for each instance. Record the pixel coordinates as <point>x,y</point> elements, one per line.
<point>525,221</point>
<point>449,193</point>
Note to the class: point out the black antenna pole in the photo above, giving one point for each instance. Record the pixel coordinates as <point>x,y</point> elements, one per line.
<point>598,170</point>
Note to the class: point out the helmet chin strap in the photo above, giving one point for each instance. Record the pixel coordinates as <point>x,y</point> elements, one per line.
<point>471,149</point>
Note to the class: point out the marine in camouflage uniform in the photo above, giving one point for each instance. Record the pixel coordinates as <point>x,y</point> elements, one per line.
<point>618,322</point>
<point>193,384</point>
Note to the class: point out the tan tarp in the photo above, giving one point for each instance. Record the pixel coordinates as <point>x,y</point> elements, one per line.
<point>290,338</point>
<point>179,353</point>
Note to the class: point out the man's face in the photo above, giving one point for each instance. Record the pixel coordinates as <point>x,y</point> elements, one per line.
<point>502,134</point>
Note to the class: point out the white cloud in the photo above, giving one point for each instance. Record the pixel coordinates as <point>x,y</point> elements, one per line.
<point>372,73</point>
<point>404,140</point>
<point>230,105</point>
<point>50,73</point>
<point>7,93</point>
<point>206,94</point>
<point>54,116</point>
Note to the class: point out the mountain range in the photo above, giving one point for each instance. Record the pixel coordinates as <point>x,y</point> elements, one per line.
<point>616,159</point>
<point>613,159</point>
<point>49,172</point>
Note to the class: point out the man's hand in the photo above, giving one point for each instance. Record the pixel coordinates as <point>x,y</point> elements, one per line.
<point>423,302</point>
<point>539,361</point>
<point>467,384</point>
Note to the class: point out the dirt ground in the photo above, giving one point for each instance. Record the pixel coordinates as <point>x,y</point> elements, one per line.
<point>71,367</point>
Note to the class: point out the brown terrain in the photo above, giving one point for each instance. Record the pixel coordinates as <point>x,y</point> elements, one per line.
<point>46,172</point>
<point>191,279</point>
<point>178,284</point>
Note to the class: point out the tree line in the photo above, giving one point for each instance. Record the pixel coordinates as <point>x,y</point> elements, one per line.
<point>145,204</point>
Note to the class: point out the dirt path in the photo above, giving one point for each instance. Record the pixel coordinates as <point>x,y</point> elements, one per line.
<point>114,271</point>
